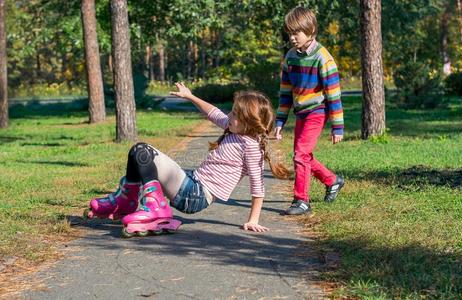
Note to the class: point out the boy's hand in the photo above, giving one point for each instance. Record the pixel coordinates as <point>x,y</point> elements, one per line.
<point>183,91</point>
<point>254,227</point>
<point>278,133</point>
<point>336,138</point>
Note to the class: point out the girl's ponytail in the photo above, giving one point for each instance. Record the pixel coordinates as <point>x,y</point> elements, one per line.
<point>214,145</point>
<point>279,170</point>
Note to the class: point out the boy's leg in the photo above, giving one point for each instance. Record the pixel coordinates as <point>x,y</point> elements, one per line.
<point>307,132</point>
<point>332,182</point>
<point>323,174</point>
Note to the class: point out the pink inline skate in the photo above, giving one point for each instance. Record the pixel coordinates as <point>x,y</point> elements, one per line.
<point>154,215</point>
<point>114,206</point>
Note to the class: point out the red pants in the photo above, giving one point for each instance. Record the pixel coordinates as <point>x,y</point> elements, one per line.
<point>307,132</point>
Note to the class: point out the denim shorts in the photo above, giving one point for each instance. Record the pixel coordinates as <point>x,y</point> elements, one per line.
<point>191,196</point>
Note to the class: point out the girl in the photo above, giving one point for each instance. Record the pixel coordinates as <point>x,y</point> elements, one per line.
<point>240,151</point>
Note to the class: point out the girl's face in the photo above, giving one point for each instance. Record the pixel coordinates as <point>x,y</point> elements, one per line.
<point>299,40</point>
<point>234,125</point>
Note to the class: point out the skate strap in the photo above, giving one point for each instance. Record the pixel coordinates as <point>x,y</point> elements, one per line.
<point>112,199</point>
<point>147,191</point>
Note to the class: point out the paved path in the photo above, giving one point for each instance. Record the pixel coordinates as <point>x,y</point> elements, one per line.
<point>211,257</point>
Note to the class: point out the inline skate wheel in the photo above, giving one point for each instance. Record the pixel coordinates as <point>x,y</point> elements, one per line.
<point>157,232</point>
<point>87,214</point>
<point>142,233</point>
<point>126,234</point>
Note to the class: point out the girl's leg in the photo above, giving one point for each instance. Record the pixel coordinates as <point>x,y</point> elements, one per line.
<point>149,164</point>
<point>146,163</point>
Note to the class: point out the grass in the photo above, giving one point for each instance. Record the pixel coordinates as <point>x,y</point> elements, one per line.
<point>53,162</point>
<point>398,222</point>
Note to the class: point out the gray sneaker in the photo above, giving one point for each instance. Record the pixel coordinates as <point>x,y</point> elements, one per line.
<point>299,207</point>
<point>333,190</point>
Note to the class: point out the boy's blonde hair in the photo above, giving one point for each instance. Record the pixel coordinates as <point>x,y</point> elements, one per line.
<point>254,111</point>
<point>301,19</point>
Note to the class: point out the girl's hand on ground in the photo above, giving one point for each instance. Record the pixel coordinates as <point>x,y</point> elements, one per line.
<point>183,91</point>
<point>336,138</point>
<point>254,227</point>
<point>278,133</point>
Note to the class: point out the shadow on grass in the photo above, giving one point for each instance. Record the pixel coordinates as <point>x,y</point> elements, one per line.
<point>43,144</point>
<point>9,139</point>
<point>37,109</point>
<point>415,177</point>
<point>59,163</point>
<point>406,272</point>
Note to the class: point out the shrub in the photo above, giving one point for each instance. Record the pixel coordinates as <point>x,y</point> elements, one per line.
<point>418,86</point>
<point>264,77</point>
<point>218,93</point>
<point>453,83</point>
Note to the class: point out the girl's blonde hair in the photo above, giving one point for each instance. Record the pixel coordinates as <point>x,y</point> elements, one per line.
<point>254,111</point>
<point>301,19</point>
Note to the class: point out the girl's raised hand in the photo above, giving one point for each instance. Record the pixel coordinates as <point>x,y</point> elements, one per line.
<point>183,91</point>
<point>254,227</point>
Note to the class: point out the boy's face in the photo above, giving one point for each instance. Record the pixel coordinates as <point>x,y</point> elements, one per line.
<point>299,40</point>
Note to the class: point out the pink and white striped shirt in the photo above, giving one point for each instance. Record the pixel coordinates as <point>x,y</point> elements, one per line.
<point>236,156</point>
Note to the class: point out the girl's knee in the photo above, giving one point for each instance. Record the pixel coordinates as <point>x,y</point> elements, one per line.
<point>143,153</point>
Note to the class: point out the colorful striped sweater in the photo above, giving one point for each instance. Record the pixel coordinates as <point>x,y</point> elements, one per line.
<point>310,83</point>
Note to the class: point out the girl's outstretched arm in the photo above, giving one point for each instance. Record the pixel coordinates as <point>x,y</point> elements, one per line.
<point>252,224</point>
<point>185,92</point>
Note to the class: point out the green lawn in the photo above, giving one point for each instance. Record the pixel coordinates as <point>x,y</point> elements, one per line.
<point>53,162</point>
<point>398,222</point>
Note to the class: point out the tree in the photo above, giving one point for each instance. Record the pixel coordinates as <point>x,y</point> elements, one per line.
<point>123,78</point>
<point>92,62</point>
<point>373,112</point>
<point>3,69</point>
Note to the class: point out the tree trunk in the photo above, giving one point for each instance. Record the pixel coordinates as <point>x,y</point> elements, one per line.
<point>93,64</point>
<point>123,78</point>
<point>216,61</point>
<point>444,41</point>
<point>190,57</point>
<point>3,69</point>
<point>196,60</point>
<point>38,65</point>
<point>203,57</point>
<point>161,52</point>
<point>149,63</point>
<point>285,41</point>
<point>373,112</point>
<point>459,17</point>
<point>109,64</point>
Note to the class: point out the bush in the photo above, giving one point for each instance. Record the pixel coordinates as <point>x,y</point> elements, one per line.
<point>418,86</point>
<point>218,93</point>
<point>48,90</point>
<point>453,84</point>
<point>264,77</point>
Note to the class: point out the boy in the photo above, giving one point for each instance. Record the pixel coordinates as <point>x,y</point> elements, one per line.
<point>309,84</point>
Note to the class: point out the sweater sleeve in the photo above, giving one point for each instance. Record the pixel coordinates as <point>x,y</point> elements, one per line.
<point>219,118</point>
<point>254,165</point>
<point>285,96</point>
<point>331,85</point>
